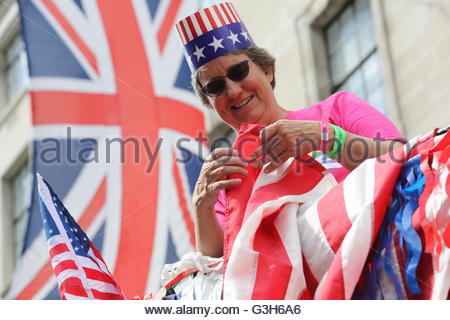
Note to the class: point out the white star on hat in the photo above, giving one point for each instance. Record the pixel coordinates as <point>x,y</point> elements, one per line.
<point>233,37</point>
<point>199,52</point>
<point>245,34</point>
<point>216,43</point>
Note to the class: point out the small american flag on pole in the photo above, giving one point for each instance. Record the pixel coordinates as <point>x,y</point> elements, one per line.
<point>78,266</point>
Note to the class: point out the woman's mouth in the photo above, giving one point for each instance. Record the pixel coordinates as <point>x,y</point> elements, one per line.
<point>243,104</point>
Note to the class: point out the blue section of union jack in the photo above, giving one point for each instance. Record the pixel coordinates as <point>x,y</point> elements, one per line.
<point>102,71</point>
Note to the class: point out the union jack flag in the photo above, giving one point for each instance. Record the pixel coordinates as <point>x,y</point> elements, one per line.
<point>102,70</point>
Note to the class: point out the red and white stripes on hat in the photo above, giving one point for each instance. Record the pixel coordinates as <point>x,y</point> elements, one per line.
<point>206,20</point>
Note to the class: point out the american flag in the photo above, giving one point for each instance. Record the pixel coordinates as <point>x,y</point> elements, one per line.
<point>414,254</point>
<point>302,236</point>
<point>104,70</point>
<point>78,266</point>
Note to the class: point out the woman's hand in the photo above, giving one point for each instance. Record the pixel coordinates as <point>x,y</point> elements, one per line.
<point>213,177</point>
<point>292,138</point>
<point>284,139</point>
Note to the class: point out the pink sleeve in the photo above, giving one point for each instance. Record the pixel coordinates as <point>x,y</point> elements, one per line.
<point>220,208</point>
<point>357,116</point>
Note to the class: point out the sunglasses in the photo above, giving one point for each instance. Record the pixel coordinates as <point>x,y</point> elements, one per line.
<point>237,72</point>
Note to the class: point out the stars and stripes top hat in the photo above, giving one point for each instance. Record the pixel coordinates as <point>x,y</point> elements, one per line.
<point>212,32</point>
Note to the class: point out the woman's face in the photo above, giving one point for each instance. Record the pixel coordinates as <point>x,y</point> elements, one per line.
<point>250,100</point>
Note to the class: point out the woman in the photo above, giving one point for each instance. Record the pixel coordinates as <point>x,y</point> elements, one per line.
<point>236,79</point>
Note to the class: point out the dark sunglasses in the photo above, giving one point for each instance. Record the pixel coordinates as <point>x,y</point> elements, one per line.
<point>237,72</point>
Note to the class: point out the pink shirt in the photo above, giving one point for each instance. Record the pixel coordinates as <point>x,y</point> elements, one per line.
<point>347,111</point>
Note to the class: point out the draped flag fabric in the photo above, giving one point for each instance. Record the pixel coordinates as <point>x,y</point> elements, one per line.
<point>307,238</point>
<point>78,266</point>
<point>411,254</point>
<point>114,118</point>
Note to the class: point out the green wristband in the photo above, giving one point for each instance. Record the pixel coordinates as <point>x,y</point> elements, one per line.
<point>339,142</point>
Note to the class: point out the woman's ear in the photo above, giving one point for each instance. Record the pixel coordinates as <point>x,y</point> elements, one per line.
<point>268,71</point>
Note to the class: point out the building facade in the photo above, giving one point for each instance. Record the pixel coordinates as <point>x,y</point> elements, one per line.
<point>395,54</point>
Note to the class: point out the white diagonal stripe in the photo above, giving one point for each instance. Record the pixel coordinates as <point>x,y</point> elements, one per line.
<point>206,20</point>
<point>196,25</point>
<point>215,17</point>
<point>188,30</point>
<point>227,21</point>
<point>234,11</point>
<point>286,225</point>
<point>356,244</point>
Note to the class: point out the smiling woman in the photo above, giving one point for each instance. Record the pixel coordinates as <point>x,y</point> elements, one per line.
<point>247,99</point>
<point>236,78</point>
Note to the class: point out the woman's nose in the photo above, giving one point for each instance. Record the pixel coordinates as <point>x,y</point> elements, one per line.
<point>232,89</point>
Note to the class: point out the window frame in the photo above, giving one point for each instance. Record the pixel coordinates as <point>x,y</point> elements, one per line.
<point>7,65</point>
<point>7,250</point>
<point>25,211</point>
<point>363,56</point>
<point>314,76</point>
<point>9,28</point>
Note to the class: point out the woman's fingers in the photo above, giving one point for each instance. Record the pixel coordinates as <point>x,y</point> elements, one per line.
<point>275,164</point>
<point>222,153</point>
<point>226,161</point>
<point>223,184</point>
<point>265,136</point>
<point>223,171</point>
<point>269,152</point>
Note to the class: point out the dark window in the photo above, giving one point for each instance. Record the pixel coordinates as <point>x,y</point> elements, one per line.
<point>352,54</point>
<point>21,185</point>
<point>16,74</point>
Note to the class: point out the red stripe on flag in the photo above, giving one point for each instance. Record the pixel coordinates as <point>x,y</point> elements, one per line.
<point>310,175</point>
<point>73,286</point>
<point>224,9</point>
<point>182,201</point>
<point>191,27</point>
<point>222,21</point>
<point>333,287</point>
<point>270,247</point>
<point>74,108</point>
<point>305,295</point>
<point>64,265</point>
<point>105,295</point>
<point>199,19</point>
<point>167,24</point>
<point>135,92</point>
<point>169,108</point>
<point>183,29</point>
<point>58,249</point>
<point>94,207</point>
<point>210,18</point>
<point>98,275</point>
<point>180,33</point>
<point>37,283</point>
<point>90,57</point>
<point>230,9</point>
<point>335,223</point>
<point>236,13</point>
<point>311,281</point>
<point>385,174</point>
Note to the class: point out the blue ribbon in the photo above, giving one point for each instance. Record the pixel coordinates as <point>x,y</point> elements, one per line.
<point>403,221</point>
<point>398,221</point>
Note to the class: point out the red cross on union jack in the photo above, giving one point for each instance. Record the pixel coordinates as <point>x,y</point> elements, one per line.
<point>112,70</point>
